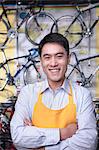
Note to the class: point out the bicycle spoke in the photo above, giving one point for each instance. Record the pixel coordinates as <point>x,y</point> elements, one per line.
<point>38,26</point>
<point>71,30</point>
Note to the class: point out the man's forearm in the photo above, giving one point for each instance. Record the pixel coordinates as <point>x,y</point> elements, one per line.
<point>64,132</point>
<point>68,132</point>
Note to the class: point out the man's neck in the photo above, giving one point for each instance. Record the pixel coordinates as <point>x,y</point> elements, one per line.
<point>55,85</point>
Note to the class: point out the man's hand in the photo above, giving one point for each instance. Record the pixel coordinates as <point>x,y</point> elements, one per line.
<point>68,132</point>
<point>27,122</point>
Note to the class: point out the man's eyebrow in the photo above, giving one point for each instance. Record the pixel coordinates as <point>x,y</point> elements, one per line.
<point>59,53</point>
<point>46,55</point>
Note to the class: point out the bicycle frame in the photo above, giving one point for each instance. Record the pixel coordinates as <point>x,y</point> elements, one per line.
<point>79,15</point>
<point>84,80</point>
<point>74,27</point>
<point>82,11</point>
<point>11,80</point>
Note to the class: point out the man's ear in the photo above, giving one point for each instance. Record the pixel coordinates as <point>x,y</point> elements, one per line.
<point>41,62</point>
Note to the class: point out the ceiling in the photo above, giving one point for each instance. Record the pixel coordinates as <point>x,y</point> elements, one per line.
<point>49,2</point>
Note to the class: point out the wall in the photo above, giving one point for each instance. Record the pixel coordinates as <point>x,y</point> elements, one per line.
<point>82,50</point>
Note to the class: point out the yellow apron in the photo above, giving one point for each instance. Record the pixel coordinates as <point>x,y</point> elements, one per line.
<point>45,117</point>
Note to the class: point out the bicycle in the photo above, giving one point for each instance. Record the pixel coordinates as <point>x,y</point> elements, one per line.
<point>31,61</point>
<point>84,79</point>
<point>6,113</point>
<point>8,31</point>
<point>36,22</point>
<point>75,28</point>
<point>45,21</point>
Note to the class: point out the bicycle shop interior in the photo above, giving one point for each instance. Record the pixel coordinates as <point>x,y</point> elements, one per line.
<point>23,23</point>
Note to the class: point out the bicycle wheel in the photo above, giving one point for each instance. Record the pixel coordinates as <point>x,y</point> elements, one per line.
<point>69,27</point>
<point>31,74</point>
<point>3,32</point>
<point>38,26</point>
<point>3,70</point>
<point>3,77</point>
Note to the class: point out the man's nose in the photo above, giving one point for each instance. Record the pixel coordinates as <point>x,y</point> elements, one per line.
<point>53,62</point>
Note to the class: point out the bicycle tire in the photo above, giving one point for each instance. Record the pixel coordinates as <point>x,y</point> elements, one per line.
<point>4,69</point>
<point>70,28</point>
<point>38,26</point>
<point>3,32</point>
<point>3,78</point>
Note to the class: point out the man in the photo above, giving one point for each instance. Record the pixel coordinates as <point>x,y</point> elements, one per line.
<point>54,114</point>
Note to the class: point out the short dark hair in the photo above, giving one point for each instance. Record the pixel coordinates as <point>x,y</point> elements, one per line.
<point>54,38</point>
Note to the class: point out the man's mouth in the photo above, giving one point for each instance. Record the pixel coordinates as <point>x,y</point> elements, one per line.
<point>54,70</point>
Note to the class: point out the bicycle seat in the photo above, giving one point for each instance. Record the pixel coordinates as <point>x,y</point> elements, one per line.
<point>34,52</point>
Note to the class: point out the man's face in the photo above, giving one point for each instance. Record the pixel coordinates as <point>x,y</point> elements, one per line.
<point>54,60</point>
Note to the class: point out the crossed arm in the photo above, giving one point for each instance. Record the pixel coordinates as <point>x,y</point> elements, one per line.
<point>64,132</point>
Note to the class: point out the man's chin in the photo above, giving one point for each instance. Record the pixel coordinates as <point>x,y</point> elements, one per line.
<point>55,79</point>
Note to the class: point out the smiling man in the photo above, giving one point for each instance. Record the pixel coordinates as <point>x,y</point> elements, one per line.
<point>54,114</point>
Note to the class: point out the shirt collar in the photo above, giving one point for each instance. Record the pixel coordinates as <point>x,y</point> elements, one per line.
<point>65,86</point>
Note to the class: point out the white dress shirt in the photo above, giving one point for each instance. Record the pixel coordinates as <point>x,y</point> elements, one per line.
<point>27,137</point>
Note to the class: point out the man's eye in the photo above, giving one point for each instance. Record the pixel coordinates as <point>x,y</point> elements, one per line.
<point>47,57</point>
<point>59,56</point>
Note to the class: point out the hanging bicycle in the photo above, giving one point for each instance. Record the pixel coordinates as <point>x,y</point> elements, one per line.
<point>37,21</point>
<point>75,28</point>
<point>83,75</point>
<point>30,61</point>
